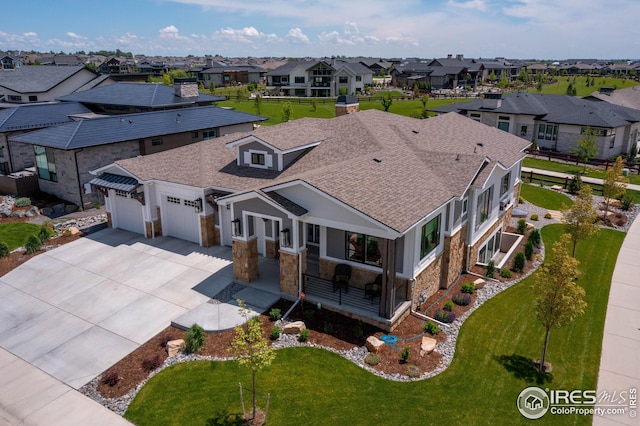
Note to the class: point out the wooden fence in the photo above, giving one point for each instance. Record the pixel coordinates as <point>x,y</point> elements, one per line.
<point>531,177</point>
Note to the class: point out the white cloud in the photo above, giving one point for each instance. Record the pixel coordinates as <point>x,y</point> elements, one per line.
<point>75,36</point>
<point>470,4</point>
<point>296,35</point>
<point>171,32</point>
<point>242,35</point>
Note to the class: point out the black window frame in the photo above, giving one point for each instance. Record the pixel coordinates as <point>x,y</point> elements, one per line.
<point>430,236</point>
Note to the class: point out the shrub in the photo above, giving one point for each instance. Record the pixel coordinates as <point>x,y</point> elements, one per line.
<point>491,269</point>
<point>534,217</point>
<point>547,215</point>
<point>448,306</point>
<point>468,288</point>
<point>165,340</point>
<point>23,202</point>
<point>195,339</point>
<point>519,262</point>
<point>44,234</point>
<point>358,331</point>
<point>575,185</point>
<point>461,299</point>
<point>150,364</point>
<point>535,238</point>
<point>431,328</point>
<point>275,333</point>
<point>4,249</point>
<point>413,371</point>
<point>528,250</point>
<point>275,314</point>
<point>505,273</point>
<point>328,327</point>
<point>32,244</point>
<point>49,225</point>
<point>304,335</point>
<point>521,200</point>
<point>405,353</point>
<point>110,378</point>
<point>626,203</point>
<point>522,226</point>
<point>372,359</point>
<point>308,314</point>
<point>445,317</point>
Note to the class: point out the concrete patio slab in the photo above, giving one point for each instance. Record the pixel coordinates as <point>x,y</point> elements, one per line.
<point>62,285</point>
<point>213,284</point>
<point>258,300</point>
<point>17,307</point>
<point>212,317</point>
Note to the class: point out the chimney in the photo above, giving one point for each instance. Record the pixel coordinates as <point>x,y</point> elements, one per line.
<point>459,57</point>
<point>449,56</point>
<point>208,61</point>
<point>186,87</point>
<point>347,105</point>
<point>492,100</point>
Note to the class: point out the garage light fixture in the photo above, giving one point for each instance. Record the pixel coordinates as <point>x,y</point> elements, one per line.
<point>285,238</point>
<point>198,205</point>
<point>237,229</point>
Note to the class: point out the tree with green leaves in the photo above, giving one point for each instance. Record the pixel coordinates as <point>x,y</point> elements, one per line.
<point>586,147</point>
<point>257,103</point>
<point>250,347</point>
<point>614,185</point>
<point>286,111</point>
<point>166,79</point>
<point>424,99</point>
<point>558,299</point>
<point>580,219</point>
<point>386,101</point>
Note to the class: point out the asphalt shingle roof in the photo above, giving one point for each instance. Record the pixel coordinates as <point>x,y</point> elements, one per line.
<point>145,95</point>
<point>119,128</point>
<point>38,116</point>
<point>393,169</point>
<point>36,79</point>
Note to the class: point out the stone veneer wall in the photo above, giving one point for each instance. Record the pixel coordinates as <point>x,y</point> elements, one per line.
<point>504,221</point>
<point>454,260</point>
<point>208,234</point>
<point>109,220</point>
<point>346,109</point>
<point>359,277</point>
<point>428,281</point>
<point>245,260</point>
<point>289,274</point>
<point>271,248</point>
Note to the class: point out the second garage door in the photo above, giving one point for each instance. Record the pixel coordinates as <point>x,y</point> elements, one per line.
<point>128,213</point>
<point>180,219</point>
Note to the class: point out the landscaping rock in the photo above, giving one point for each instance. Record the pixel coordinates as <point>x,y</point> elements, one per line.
<point>174,347</point>
<point>72,230</point>
<point>373,344</point>
<point>33,212</point>
<point>5,212</point>
<point>427,346</point>
<point>58,209</point>
<point>479,283</point>
<point>18,214</point>
<point>294,327</point>
<point>70,208</point>
<point>46,211</point>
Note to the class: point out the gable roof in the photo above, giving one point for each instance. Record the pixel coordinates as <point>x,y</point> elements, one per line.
<point>145,95</point>
<point>393,169</point>
<point>120,128</point>
<point>38,116</point>
<point>561,109</point>
<point>629,97</point>
<point>35,79</point>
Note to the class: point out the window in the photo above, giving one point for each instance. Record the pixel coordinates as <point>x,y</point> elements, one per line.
<point>195,134</point>
<point>298,80</point>
<point>503,123</point>
<point>33,98</point>
<point>465,205</point>
<point>257,158</point>
<point>430,237</point>
<point>612,139</point>
<point>190,203</point>
<point>156,142</point>
<point>343,79</point>
<point>358,78</point>
<point>484,206</point>
<point>15,98</point>
<point>313,233</point>
<point>121,193</point>
<point>548,131</point>
<point>173,200</point>
<point>45,163</point>
<point>490,248</point>
<point>594,132</point>
<point>474,116</point>
<point>209,134</point>
<point>523,130</point>
<point>505,183</point>
<point>363,248</point>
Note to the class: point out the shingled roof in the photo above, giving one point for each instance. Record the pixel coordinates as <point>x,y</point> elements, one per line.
<point>36,79</point>
<point>393,169</point>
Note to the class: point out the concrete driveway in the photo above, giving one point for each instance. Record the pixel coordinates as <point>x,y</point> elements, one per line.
<point>78,309</point>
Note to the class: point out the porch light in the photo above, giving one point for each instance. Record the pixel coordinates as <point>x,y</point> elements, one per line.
<point>285,238</point>
<point>198,205</point>
<point>237,229</point>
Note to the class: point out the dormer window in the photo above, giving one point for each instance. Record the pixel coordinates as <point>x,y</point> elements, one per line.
<point>257,158</point>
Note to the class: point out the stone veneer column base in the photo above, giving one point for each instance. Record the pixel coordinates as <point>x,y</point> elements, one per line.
<point>290,272</point>
<point>245,260</point>
<point>109,220</point>
<point>208,233</point>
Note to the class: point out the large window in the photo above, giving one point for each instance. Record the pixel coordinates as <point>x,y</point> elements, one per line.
<point>343,79</point>
<point>548,132</point>
<point>209,134</point>
<point>503,123</point>
<point>490,248</point>
<point>298,80</point>
<point>430,237</point>
<point>45,163</point>
<point>313,233</point>
<point>363,248</point>
<point>474,116</point>
<point>505,184</point>
<point>484,206</point>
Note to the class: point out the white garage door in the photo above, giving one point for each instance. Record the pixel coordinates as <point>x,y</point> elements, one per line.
<point>180,219</point>
<point>127,213</point>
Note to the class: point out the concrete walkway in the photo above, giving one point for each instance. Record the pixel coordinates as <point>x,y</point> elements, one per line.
<point>568,175</point>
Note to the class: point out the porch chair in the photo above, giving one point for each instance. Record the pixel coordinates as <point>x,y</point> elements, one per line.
<point>373,289</point>
<point>341,277</point>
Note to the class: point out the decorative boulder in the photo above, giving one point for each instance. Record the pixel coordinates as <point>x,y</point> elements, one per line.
<point>33,212</point>
<point>294,327</point>
<point>373,344</point>
<point>72,230</point>
<point>46,211</point>
<point>174,347</point>
<point>70,208</point>
<point>427,346</point>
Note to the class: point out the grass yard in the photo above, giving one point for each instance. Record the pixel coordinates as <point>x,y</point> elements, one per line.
<point>560,87</point>
<point>544,198</point>
<point>492,365</point>
<point>556,166</point>
<point>15,234</point>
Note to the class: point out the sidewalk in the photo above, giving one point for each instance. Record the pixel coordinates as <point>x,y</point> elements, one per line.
<point>568,175</point>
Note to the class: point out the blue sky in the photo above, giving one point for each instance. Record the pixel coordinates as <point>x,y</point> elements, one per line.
<point>542,29</point>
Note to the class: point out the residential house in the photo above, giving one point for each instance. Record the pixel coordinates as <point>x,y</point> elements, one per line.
<point>432,74</point>
<point>220,74</point>
<point>555,122</point>
<point>8,62</point>
<point>64,155</point>
<point>406,203</point>
<point>115,65</point>
<point>303,78</point>
<point>629,97</point>
<point>44,83</point>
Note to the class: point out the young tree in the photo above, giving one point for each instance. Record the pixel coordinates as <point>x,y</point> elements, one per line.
<point>251,348</point>
<point>614,184</point>
<point>286,111</point>
<point>386,101</point>
<point>258,103</point>
<point>558,298</point>
<point>580,218</point>
<point>586,147</point>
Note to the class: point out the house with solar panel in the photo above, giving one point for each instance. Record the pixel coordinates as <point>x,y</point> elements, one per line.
<point>368,213</point>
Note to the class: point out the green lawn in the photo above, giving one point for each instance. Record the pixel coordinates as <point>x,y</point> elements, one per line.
<point>555,166</point>
<point>491,366</point>
<point>544,198</point>
<point>560,87</point>
<point>15,234</point>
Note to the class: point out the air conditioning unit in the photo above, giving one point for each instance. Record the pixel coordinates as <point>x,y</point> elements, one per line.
<point>504,204</point>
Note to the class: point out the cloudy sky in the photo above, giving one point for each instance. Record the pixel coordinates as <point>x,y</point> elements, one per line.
<point>527,29</point>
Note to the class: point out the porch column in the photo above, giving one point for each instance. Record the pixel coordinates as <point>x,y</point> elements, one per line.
<point>245,260</point>
<point>388,294</point>
<point>290,271</point>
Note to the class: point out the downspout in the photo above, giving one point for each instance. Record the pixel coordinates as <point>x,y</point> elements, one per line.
<point>80,188</point>
<point>418,314</point>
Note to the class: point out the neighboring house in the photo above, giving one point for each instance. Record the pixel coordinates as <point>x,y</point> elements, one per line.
<point>378,67</point>
<point>9,62</point>
<point>629,97</point>
<point>117,66</point>
<point>126,97</point>
<point>413,202</point>
<point>42,83</point>
<point>64,155</point>
<point>352,78</point>
<point>434,75</point>
<point>27,118</point>
<point>555,122</point>
<point>304,78</point>
<point>228,75</point>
